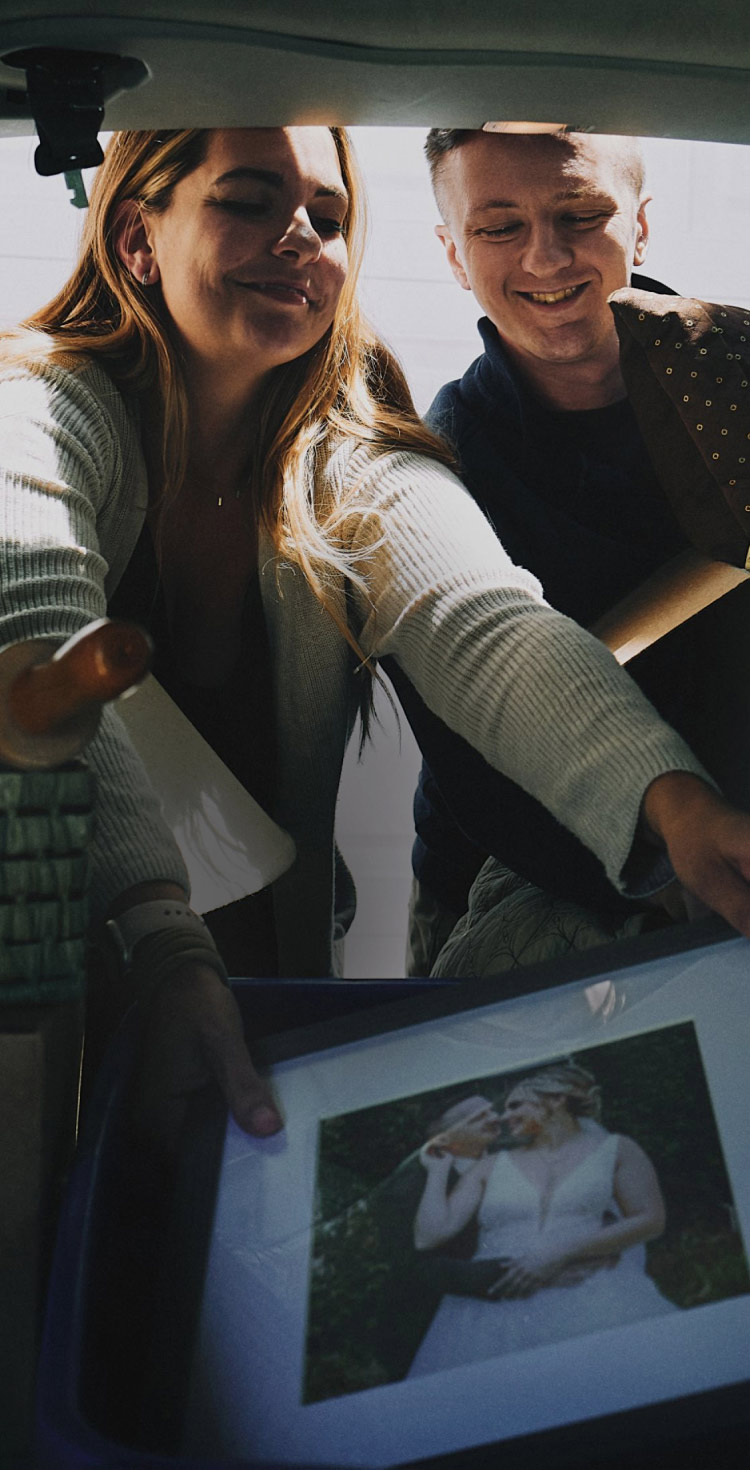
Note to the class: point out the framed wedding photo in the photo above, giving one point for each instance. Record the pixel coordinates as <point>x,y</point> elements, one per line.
<point>497,1215</point>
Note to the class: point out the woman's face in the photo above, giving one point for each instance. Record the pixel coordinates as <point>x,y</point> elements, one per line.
<point>250,251</point>
<point>524,1114</point>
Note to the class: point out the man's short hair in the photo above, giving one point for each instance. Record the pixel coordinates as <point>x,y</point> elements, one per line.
<point>442,141</point>
<point>457,1112</point>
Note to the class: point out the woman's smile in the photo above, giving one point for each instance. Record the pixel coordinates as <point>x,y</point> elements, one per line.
<point>523,1115</point>
<point>284,292</point>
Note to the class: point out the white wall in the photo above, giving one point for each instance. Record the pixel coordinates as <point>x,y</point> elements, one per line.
<point>700,226</point>
<point>39,232</point>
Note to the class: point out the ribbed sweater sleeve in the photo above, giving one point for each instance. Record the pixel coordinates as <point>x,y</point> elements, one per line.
<point>541,699</point>
<point>71,476</point>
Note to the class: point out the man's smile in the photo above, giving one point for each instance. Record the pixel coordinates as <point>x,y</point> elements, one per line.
<point>553,298</point>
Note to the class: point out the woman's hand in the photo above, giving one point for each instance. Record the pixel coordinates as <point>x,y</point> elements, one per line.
<point>441,1215</point>
<point>433,1157</point>
<point>191,1035</point>
<point>708,842</point>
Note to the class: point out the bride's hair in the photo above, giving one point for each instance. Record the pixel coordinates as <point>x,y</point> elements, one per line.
<point>569,1080</point>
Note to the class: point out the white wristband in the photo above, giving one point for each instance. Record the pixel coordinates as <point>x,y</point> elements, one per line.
<point>144,919</point>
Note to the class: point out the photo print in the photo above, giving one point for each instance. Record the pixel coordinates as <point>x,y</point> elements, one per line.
<point>577,1194</point>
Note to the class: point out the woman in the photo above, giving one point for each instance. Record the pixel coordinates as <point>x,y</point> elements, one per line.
<point>202,411</point>
<point>565,1208</point>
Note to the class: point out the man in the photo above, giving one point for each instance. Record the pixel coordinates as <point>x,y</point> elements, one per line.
<point>416,1280</point>
<point>542,228</point>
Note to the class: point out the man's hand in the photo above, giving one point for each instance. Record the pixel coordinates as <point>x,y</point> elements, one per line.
<point>525,1274</point>
<point>708,842</point>
<point>191,1035</point>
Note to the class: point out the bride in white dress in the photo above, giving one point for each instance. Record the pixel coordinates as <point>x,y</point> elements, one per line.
<point>566,1210</point>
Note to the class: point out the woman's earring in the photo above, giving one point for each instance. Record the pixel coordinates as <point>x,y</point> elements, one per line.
<point>144,278</point>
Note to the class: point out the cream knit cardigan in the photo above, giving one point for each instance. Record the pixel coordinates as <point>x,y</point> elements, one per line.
<point>540,698</point>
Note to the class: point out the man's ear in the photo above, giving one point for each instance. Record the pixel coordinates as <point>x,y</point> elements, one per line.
<point>132,242</point>
<point>641,238</point>
<point>454,260</point>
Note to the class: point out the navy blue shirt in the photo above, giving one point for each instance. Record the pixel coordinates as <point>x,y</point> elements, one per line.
<point>573,497</point>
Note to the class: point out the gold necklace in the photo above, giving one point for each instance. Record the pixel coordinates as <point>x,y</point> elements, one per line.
<point>220,498</point>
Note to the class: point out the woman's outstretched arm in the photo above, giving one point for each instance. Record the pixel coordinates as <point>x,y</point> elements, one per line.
<point>541,699</point>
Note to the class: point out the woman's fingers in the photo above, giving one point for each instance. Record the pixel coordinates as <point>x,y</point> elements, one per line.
<point>248,1097</point>
<point>432,1156</point>
<point>192,1034</point>
<point>708,842</point>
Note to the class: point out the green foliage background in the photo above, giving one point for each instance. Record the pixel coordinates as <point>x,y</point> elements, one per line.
<point>653,1089</point>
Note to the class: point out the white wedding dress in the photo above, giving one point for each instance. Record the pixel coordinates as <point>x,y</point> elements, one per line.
<point>513,1218</point>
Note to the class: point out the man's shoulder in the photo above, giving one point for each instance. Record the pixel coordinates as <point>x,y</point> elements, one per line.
<point>480,417</point>
<point>490,378</point>
<point>445,409</point>
<point>487,388</point>
<point>640,282</point>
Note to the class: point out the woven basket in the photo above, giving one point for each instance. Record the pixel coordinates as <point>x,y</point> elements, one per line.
<point>46,824</point>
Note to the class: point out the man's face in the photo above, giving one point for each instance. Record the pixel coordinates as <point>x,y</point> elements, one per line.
<point>469,1127</point>
<point>542,230</point>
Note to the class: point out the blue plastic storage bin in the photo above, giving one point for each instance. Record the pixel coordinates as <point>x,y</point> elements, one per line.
<point>83,1400</point>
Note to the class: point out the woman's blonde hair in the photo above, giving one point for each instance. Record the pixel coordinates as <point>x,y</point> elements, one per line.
<point>565,1079</point>
<point>349,383</point>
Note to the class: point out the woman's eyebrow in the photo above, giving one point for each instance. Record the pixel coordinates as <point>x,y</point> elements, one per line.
<point>276,180</point>
<point>243,171</point>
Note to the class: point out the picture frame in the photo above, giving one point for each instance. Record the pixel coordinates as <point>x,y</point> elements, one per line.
<point>247,1396</point>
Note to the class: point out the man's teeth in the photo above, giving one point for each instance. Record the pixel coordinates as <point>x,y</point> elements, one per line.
<point>549,297</point>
